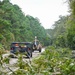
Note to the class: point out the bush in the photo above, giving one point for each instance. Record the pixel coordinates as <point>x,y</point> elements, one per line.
<point>2,50</point>
<point>52,61</point>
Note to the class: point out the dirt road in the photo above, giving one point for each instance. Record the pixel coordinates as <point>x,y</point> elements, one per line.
<point>10,66</point>
<point>34,55</point>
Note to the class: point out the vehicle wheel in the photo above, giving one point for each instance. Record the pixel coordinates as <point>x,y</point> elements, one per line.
<point>39,49</point>
<point>29,54</point>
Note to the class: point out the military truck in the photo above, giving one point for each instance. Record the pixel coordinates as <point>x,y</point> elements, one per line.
<point>21,47</point>
<point>37,45</point>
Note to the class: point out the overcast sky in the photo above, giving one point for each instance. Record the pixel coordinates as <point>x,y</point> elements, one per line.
<point>48,11</point>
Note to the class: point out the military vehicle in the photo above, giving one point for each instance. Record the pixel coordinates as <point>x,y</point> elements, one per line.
<point>37,45</point>
<point>21,47</point>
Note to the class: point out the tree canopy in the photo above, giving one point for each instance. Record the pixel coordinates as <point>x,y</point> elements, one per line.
<point>16,26</point>
<point>63,33</point>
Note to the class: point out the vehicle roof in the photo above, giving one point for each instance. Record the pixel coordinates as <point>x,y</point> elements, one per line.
<point>21,43</point>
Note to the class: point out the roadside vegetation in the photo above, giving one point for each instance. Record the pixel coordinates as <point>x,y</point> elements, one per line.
<point>53,61</point>
<point>63,32</point>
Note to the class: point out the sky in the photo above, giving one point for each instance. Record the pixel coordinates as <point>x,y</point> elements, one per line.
<point>47,11</point>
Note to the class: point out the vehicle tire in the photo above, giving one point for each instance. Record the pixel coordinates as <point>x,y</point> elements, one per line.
<point>29,53</point>
<point>39,49</point>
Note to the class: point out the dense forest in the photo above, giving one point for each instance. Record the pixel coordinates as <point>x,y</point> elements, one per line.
<point>15,26</point>
<point>63,32</point>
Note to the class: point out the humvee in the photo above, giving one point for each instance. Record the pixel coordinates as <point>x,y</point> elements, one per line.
<point>22,47</point>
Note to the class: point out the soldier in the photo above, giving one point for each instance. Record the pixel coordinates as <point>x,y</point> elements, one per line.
<point>37,45</point>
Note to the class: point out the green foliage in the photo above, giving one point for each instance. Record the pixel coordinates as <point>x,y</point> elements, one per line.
<point>16,26</point>
<point>52,61</point>
<point>6,60</point>
<point>71,34</point>
<point>21,63</point>
<point>2,50</point>
<point>59,33</point>
<point>68,68</point>
<point>72,6</point>
<point>56,60</point>
<point>63,33</point>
